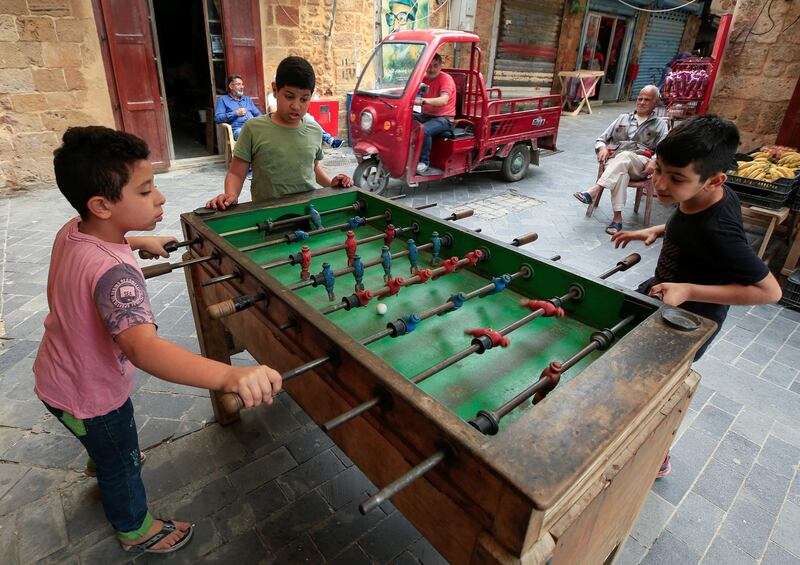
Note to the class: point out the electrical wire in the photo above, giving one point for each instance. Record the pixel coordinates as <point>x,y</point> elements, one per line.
<point>637,8</point>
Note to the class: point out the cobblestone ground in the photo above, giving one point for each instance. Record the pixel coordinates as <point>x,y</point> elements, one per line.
<point>273,488</point>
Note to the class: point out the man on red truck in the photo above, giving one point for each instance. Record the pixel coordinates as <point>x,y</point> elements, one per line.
<point>438,108</point>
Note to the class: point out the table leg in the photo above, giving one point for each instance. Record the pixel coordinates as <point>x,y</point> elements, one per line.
<point>794,254</point>
<point>586,96</point>
<point>210,333</point>
<point>767,236</point>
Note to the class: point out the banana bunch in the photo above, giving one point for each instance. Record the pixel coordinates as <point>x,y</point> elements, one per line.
<point>770,163</point>
<point>762,168</point>
<point>790,159</point>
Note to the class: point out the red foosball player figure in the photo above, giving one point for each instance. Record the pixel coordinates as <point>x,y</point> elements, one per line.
<point>350,246</point>
<point>305,264</point>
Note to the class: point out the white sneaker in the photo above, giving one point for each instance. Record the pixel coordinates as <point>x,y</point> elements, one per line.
<point>421,168</point>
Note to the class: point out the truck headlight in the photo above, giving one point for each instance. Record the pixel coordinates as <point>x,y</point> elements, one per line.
<point>366,120</point>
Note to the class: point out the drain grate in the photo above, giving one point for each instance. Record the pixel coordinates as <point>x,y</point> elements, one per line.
<point>500,205</point>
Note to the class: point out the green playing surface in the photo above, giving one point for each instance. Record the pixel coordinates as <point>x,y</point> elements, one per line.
<point>479,381</point>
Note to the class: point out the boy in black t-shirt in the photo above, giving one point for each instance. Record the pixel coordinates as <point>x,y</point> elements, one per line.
<point>706,263</point>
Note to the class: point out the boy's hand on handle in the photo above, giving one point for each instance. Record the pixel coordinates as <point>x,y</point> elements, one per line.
<point>153,247</point>
<point>671,294</point>
<point>254,385</point>
<point>622,238</point>
<point>222,202</point>
<point>342,181</point>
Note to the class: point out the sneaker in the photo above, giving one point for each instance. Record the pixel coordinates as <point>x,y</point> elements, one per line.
<point>421,168</point>
<point>666,467</point>
<point>337,143</point>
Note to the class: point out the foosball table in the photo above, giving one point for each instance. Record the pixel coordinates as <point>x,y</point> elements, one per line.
<point>514,409</point>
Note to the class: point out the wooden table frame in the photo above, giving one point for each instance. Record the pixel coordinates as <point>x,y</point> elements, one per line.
<point>564,75</point>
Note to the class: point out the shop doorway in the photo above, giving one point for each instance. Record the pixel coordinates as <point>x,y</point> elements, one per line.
<point>182,50</point>
<point>604,47</point>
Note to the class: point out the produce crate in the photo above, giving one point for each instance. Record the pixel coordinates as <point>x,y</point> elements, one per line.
<point>791,291</point>
<point>773,195</point>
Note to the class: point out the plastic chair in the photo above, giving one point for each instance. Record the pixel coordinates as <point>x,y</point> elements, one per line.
<point>643,187</point>
<point>227,143</point>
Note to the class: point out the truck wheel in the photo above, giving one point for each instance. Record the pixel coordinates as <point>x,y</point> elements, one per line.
<point>515,166</point>
<point>368,176</point>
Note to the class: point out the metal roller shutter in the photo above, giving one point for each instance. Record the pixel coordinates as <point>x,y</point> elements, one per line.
<point>527,43</point>
<point>661,42</point>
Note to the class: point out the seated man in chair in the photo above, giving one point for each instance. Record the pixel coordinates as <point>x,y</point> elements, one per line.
<point>438,108</point>
<point>627,148</point>
<point>235,108</point>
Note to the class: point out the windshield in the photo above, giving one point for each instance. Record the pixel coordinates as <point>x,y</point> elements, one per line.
<point>389,69</point>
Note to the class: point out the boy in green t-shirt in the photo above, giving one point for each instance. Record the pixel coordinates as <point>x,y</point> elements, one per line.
<point>283,150</point>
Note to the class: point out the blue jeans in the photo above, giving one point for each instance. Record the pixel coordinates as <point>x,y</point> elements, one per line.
<point>112,442</point>
<point>432,125</point>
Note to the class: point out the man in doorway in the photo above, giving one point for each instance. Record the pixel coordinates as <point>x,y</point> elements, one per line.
<point>235,108</point>
<point>627,148</point>
<point>438,108</point>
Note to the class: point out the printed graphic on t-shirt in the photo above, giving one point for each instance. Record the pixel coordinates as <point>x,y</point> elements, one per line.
<point>667,265</point>
<point>121,298</point>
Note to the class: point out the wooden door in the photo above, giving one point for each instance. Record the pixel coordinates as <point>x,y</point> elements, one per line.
<point>133,64</point>
<point>790,128</point>
<point>241,28</point>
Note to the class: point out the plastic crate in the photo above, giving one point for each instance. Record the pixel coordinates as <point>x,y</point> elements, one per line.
<point>791,291</point>
<point>767,194</point>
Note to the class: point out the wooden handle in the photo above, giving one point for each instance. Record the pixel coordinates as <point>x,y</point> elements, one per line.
<point>630,261</point>
<point>221,309</point>
<point>462,214</point>
<point>147,255</point>
<point>231,402</point>
<point>525,239</point>
<point>157,270</point>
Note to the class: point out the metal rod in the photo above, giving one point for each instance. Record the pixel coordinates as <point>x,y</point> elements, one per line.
<point>232,402</point>
<point>367,264</point>
<point>399,484</point>
<point>622,265</point>
<point>286,240</point>
<point>331,249</point>
<point>436,311</point>
<point>385,290</point>
<point>350,414</point>
<point>262,226</point>
<point>220,279</point>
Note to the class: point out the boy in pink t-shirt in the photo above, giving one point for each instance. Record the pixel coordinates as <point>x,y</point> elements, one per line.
<point>101,327</point>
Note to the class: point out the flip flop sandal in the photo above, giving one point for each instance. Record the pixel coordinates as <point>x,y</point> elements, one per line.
<point>91,468</point>
<point>617,227</point>
<point>584,197</point>
<point>169,528</point>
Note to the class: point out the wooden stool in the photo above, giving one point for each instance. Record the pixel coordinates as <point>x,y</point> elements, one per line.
<point>770,218</point>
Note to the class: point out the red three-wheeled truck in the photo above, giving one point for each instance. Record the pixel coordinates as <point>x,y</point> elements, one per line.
<point>488,130</point>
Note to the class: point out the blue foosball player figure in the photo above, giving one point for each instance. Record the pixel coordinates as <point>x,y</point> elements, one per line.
<point>413,255</point>
<point>358,272</point>
<point>386,261</point>
<point>316,219</point>
<point>437,248</point>
<point>330,279</point>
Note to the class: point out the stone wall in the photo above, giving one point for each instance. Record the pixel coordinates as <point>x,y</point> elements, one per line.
<point>759,73</point>
<point>300,27</point>
<point>51,77</point>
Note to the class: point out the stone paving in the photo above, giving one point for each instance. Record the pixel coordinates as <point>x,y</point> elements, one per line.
<point>274,489</point>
